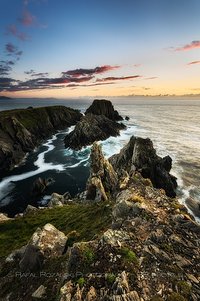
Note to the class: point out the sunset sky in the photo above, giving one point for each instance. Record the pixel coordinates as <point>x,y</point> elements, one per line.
<point>78,48</point>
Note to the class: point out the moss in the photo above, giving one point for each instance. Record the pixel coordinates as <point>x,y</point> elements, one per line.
<point>167,247</point>
<point>110,278</point>
<point>78,217</point>
<point>156,298</point>
<point>128,255</point>
<point>147,182</point>
<point>81,282</point>
<point>184,288</point>
<point>175,297</point>
<point>136,199</point>
<point>88,255</point>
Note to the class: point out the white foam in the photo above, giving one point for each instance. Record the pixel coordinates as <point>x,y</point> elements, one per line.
<point>42,166</point>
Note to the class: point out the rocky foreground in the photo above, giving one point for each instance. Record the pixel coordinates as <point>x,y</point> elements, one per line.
<point>22,130</point>
<point>148,247</point>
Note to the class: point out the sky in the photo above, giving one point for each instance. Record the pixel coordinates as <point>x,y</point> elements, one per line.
<point>81,48</point>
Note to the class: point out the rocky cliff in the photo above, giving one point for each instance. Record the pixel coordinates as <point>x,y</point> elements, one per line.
<point>92,128</point>
<point>103,107</point>
<point>22,130</point>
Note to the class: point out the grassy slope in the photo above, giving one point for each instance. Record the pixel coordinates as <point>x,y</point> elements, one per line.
<point>88,220</point>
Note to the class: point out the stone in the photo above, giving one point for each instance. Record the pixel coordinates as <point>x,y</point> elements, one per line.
<point>50,241</point>
<point>56,200</point>
<point>40,292</point>
<point>4,218</point>
<point>30,210</point>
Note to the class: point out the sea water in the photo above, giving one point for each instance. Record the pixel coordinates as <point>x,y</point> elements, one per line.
<point>172,125</point>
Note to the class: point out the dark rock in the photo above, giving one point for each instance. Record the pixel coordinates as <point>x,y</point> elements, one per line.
<point>139,153</point>
<point>103,179</point>
<point>92,128</point>
<point>127,118</point>
<point>103,107</point>
<point>40,185</point>
<point>22,130</point>
<point>32,259</point>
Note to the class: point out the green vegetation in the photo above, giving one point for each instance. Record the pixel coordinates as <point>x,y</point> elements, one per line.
<point>128,255</point>
<point>176,297</point>
<point>110,278</point>
<point>156,298</point>
<point>184,288</point>
<point>77,217</point>
<point>81,282</point>
<point>88,255</point>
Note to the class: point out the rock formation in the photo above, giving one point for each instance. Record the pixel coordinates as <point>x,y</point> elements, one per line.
<point>103,107</point>
<point>140,155</point>
<point>92,128</point>
<point>24,129</point>
<point>103,179</point>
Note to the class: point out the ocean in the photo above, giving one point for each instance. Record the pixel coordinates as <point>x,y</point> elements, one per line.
<point>172,124</point>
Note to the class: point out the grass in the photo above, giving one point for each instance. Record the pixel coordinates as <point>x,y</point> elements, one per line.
<point>128,255</point>
<point>87,220</point>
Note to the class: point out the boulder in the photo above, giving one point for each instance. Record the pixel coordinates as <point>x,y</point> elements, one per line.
<point>49,240</point>
<point>140,155</point>
<point>56,200</point>
<point>103,107</point>
<point>4,218</point>
<point>40,292</point>
<point>92,128</point>
<point>103,179</point>
<point>32,259</point>
<point>30,210</point>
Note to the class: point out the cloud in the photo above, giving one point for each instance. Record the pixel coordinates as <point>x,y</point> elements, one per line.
<point>112,78</point>
<point>137,65</point>
<point>149,78</point>
<point>192,45</point>
<point>13,50</point>
<point>194,63</point>
<point>27,18</point>
<point>93,71</point>
<point>12,29</point>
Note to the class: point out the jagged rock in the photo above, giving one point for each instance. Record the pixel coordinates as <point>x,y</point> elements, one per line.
<point>50,241</point>
<point>40,185</point>
<point>92,128</point>
<point>103,107</point>
<point>91,295</point>
<point>4,218</point>
<point>16,255</point>
<point>103,178</point>
<point>140,154</point>
<point>127,118</point>
<point>32,259</point>
<point>40,292</point>
<point>114,237</point>
<point>56,200</point>
<point>30,209</point>
<point>66,291</point>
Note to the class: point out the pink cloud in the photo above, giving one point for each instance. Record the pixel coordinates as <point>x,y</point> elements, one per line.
<point>192,45</point>
<point>27,18</point>
<point>12,29</point>
<point>137,65</point>
<point>194,63</point>
<point>83,72</point>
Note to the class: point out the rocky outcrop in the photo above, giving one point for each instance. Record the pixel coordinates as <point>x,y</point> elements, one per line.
<point>140,155</point>
<point>103,107</point>
<point>92,128</point>
<point>40,185</point>
<point>103,179</point>
<point>24,129</point>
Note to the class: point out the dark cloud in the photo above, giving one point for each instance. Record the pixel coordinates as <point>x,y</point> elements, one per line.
<point>13,50</point>
<point>41,74</point>
<point>112,78</point>
<point>85,72</point>
<point>30,72</point>
<point>6,67</point>
<point>190,46</point>
<point>12,29</point>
